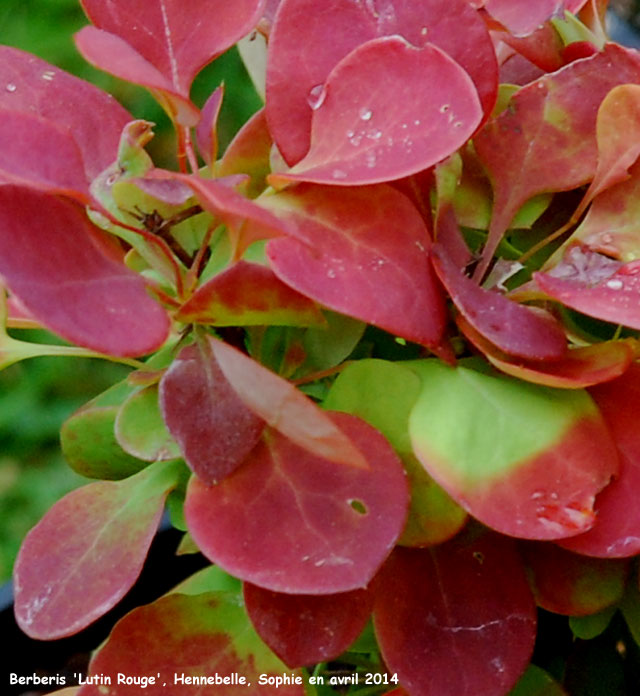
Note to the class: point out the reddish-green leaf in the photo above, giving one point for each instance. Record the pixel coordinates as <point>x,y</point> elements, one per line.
<point>207,130</point>
<point>35,153</point>
<point>178,38</point>
<point>297,69</point>
<point>595,285</point>
<point>285,408</point>
<point>212,426</point>
<point>514,328</point>
<point>573,585</point>
<point>247,294</point>
<point>292,522</point>
<point>360,135</point>
<point>49,260</point>
<point>456,620</point>
<point>35,87</point>
<point>545,140</point>
<point>350,243</point>
<point>617,531</point>
<point>554,455</point>
<point>190,645</point>
<point>579,368</point>
<point>87,551</point>
<point>306,629</point>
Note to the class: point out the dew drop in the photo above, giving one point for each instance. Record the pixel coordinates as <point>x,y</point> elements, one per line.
<point>370,158</point>
<point>536,495</point>
<point>111,180</point>
<point>606,238</point>
<point>374,135</point>
<point>444,108</point>
<point>331,273</point>
<point>458,124</point>
<point>356,140</point>
<point>339,174</point>
<point>350,134</point>
<point>615,284</point>
<point>11,87</point>
<point>316,97</point>
<point>48,75</point>
<point>416,122</point>
<point>424,31</point>
<point>365,113</point>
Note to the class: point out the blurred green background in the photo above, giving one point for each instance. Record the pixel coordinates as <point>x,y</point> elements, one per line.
<point>36,396</point>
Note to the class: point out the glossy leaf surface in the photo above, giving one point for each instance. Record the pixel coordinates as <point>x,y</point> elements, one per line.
<point>297,70</point>
<point>558,109</point>
<point>383,394</point>
<point>456,620</point>
<point>89,549</point>
<point>71,286</point>
<point>35,87</point>
<point>291,522</point>
<point>555,452</point>
<point>178,39</point>
<point>617,533</point>
<point>306,629</point>
<point>212,426</point>
<point>514,328</point>
<point>203,635</point>
<point>521,17</point>
<point>285,408</point>
<point>428,109</point>
<point>248,294</point>
<point>347,244</point>
<point>573,585</point>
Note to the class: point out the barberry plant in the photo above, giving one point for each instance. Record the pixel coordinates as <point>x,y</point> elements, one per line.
<point>389,385</point>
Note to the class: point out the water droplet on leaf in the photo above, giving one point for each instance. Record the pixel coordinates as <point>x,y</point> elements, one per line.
<point>365,114</point>
<point>316,97</point>
<point>339,174</point>
<point>11,87</point>
<point>48,75</point>
<point>615,284</point>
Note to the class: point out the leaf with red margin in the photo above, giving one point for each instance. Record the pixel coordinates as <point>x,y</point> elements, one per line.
<point>457,619</point>
<point>163,45</point>
<point>573,585</point>
<point>203,635</point>
<point>87,551</point>
<point>36,153</point>
<point>212,426</point>
<point>388,110</point>
<point>249,294</point>
<point>545,139</point>
<point>207,130</point>
<point>48,259</point>
<point>116,56</point>
<point>554,451</point>
<point>514,328</point>
<point>608,290</point>
<point>249,153</point>
<point>617,532</point>
<point>579,368</point>
<point>285,408</point>
<point>306,629</point>
<point>297,68</point>
<point>292,522</point>
<point>348,244</point>
<point>41,89</point>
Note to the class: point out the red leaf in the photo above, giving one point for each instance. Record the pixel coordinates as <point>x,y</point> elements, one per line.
<point>292,522</point>
<point>617,531</point>
<point>573,585</point>
<point>188,645</point>
<point>306,629</point>
<point>297,68</point>
<point>580,367</point>
<point>177,38</point>
<point>38,88</point>
<point>522,17</point>
<point>595,285</point>
<point>545,139</point>
<point>249,294</point>
<point>49,260</point>
<point>285,408</point>
<point>514,328</point>
<point>113,54</point>
<point>207,130</point>
<point>457,619</point>
<point>360,135</point>
<point>87,551</point>
<point>36,153</point>
<point>213,428</point>
<point>352,242</point>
